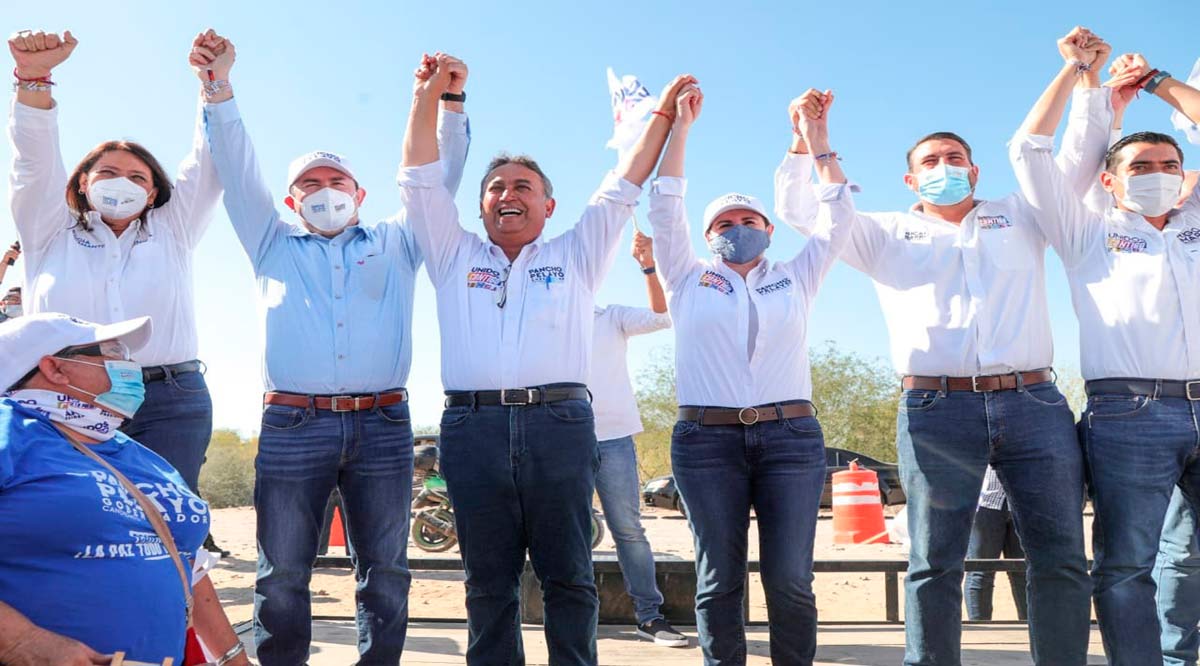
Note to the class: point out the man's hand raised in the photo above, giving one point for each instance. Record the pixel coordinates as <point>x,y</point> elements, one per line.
<point>666,102</point>
<point>1126,71</point>
<point>810,117</point>
<point>643,249</point>
<point>36,53</point>
<point>433,75</point>
<point>211,51</point>
<point>688,104</point>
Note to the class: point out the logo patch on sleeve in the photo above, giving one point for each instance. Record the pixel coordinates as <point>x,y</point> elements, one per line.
<point>1125,244</point>
<point>774,286</point>
<point>483,278</point>
<point>714,280</point>
<point>547,275</point>
<point>994,222</point>
<point>1189,236</point>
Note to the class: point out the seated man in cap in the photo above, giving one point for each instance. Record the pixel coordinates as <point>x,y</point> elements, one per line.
<point>336,300</point>
<point>518,443</point>
<point>85,570</point>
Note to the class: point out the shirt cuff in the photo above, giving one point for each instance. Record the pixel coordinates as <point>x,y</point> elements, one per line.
<point>222,112</point>
<point>452,121</point>
<point>616,188</point>
<point>1034,141</point>
<point>670,186</point>
<point>30,115</point>
<point>802,162</point>
<point>426,176</point>
<point>828,192</point>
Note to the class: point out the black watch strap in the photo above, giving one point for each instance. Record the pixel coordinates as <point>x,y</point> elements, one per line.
<point>451,97</point>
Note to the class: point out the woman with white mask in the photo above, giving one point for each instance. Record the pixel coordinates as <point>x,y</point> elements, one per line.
<point>747,435</point>
<point>113,239</point>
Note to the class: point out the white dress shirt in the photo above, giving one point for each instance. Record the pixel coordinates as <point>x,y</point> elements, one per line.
<point>1133,286</point>
<point>93,274</point>
<point>712,306</point>
<point>613,401</point>
<point>959,299</point>
<point>543,334</point>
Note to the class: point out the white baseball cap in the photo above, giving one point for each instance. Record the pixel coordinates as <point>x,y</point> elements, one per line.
<point>732,201</point>
<point>318,158</point>
<point>25,340</point>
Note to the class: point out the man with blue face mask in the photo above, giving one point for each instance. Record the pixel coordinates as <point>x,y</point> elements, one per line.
<point>961,283</point>
<point>1132,266</point>
<point>337,301</point>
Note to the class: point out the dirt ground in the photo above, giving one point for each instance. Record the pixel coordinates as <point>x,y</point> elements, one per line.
<point>840,597</point>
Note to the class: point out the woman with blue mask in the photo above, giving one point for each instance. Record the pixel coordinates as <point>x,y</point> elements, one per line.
<point>115,237</point>
<point>747,435</point>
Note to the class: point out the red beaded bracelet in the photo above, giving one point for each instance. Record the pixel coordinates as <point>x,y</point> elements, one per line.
<point>40,79</point>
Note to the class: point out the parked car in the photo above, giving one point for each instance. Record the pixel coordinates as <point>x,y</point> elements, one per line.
<point>661,491</point>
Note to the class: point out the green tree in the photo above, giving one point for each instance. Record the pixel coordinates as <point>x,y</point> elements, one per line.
<point>856,401</point>
<point>227,477</point>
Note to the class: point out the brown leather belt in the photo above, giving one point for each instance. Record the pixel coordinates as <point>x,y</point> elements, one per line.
<point>978,383</point>
<point>746,415</point>
<point>336,403</point>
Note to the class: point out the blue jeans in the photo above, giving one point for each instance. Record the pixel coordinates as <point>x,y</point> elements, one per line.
<point>1177,574</point>
<point>175,422</point>
<point>1138,449</point>
<point>778,468</point>
<point>945,441</point>
<point>621,497</point>
<point>993,534</point>
<point>521,478</point>
<point>303,454</point>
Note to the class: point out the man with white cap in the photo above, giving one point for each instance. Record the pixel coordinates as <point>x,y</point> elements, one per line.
<point>75,538</point>
<point>518,445</point>
<point>961,282</point>
<point>747,435</point>
<point>336,299</point>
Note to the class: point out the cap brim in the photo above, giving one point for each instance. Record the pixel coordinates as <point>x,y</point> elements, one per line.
<point>322,162</point>
<point>725,209</point>
<point>134,333</point>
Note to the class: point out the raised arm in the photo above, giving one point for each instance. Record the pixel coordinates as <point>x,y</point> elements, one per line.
<point>1058,211</point>
<point>10,257</point>
<point>38,179</point>
<point>835,210</point>
<point>668,214</point>
<point>798,202</point>
<point>428,204</point>
<point>454,131</point>
<point>643,253</point>
<point>596,234</point>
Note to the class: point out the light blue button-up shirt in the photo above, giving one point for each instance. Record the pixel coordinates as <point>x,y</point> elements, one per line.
<point>336,312</point>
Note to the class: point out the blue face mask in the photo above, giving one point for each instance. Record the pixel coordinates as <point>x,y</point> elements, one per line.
<point>740,244</point>
<point>944,185</point>
<point>127,392</point>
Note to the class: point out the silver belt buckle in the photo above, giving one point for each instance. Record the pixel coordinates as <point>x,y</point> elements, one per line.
<point>527,394</point>
<point>742,415</point>
<point>1187,388</point>
<point>333,403</point>
<point>975,383</point>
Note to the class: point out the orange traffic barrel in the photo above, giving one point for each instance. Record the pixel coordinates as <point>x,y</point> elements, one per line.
<point>337,534</point>
<point>857,507</point>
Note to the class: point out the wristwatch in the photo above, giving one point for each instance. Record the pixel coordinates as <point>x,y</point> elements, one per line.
<point>1154,81</point>
<point>451,97</point>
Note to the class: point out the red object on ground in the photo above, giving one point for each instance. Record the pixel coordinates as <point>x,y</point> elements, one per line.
<point>857,507</point>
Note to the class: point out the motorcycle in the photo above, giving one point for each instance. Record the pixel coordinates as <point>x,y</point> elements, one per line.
<point>433,528</point>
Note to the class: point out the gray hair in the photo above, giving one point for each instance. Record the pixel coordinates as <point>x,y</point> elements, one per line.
<point>523,160</point>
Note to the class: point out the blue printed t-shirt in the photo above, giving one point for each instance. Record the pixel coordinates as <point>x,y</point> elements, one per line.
<point>77,555</point>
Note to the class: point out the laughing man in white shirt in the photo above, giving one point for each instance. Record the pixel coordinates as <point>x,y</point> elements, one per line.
<point>1132,270</point>
<point>617,421</point>
<point>961,283</point>
<point>518,445</point>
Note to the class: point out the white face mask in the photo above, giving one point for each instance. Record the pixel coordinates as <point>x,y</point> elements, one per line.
<point>1152,194</point>
<point>117,198</point>
<point>84,418</point>
<point>328,209</point>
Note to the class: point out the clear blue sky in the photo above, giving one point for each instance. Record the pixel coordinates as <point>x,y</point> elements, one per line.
<point>337,76</point>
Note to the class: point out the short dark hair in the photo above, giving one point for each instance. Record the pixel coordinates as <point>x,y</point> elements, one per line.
<point>936,136</point>
<point>77,201</point>
<point>1112,157</point>
<point>523,160</point>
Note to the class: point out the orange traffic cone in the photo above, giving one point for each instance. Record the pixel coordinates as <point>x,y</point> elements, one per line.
<point>857,507</point>
<point>337,535</point>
